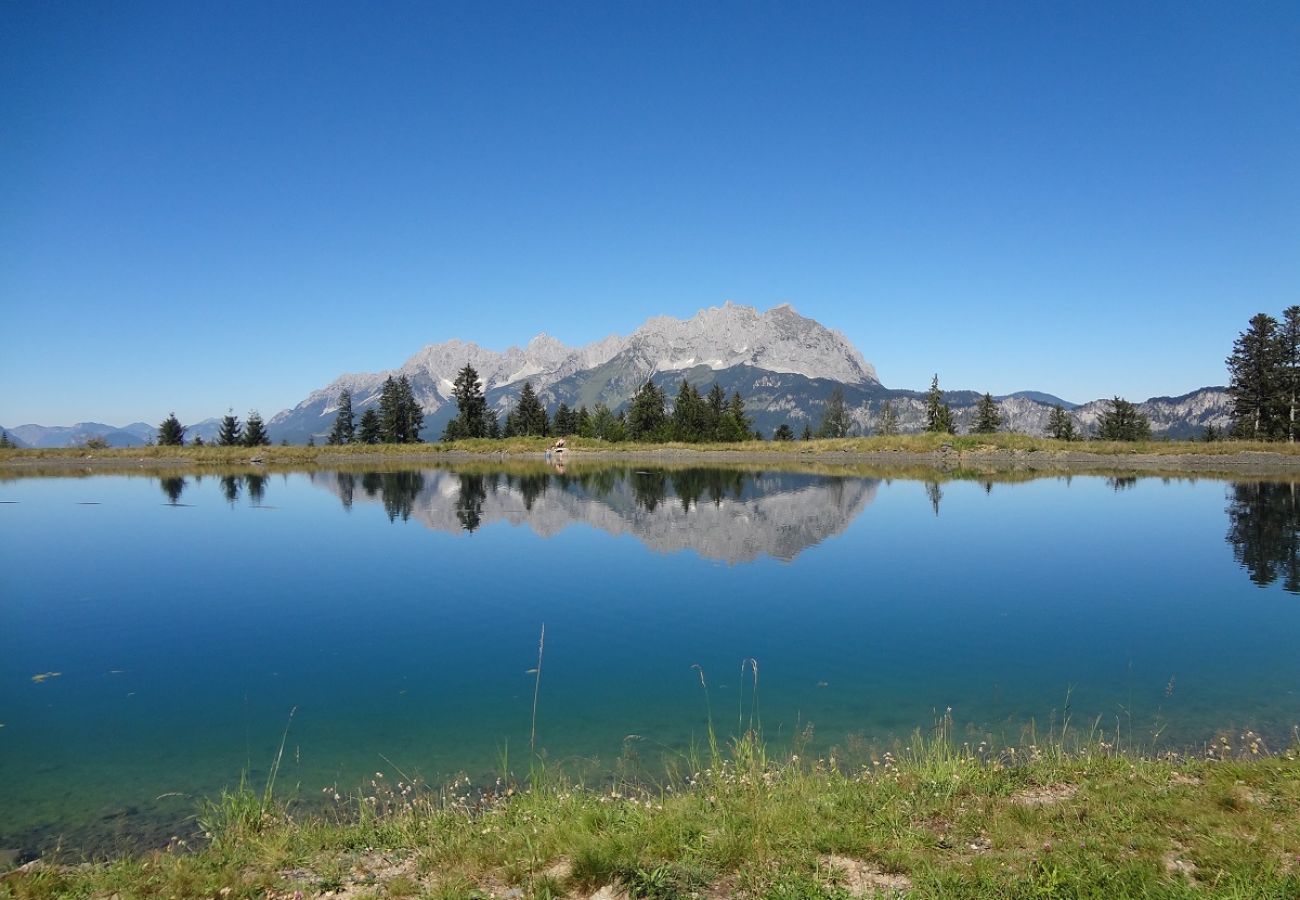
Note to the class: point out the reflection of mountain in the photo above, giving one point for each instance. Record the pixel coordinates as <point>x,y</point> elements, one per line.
<point>1264,531</point>
<point>723,515</point>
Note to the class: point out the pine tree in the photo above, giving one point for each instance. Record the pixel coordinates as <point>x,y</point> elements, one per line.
<point>371,430</point>
<point>532,415</point>
<point>1060,425</point>
<point>888,419</point>
<point>783,433</point>
<point>646,419</point>
<point>1289,351</point>
<point>231,433</point>
<point>938,415</point>
<point>6,443</point>
<point>1255,382</point>
<point>345,427</point>
<point>198,440</point>
<point>411,414</point>
<point>471,406</point>
<point>690,415</point>
<point>583,421</point>
<point>1123,422</point>
<point>255,431</point>
<point>566,421</point>
<point>715,409</point>
<point>807,433</point>
<point>736,409</point>
<point>987,417</point>
<point>835,420</point>
<point>170,432</point>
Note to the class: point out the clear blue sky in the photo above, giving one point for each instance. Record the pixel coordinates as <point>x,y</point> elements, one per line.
<point>207,205</point>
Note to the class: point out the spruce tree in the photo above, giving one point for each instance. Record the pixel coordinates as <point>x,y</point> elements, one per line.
<point>411,414</point>
<point>690,416</point>
<point>1060,425</point>
<point>783,433</point>
<point>345,427</point>
<point>1255,379</point>
<point>371,430</point>
<point>231,433</point>
<point>170,432</point>
<point>646,419</point>
<point>530,417</point>
<point>1123,422</point>
<point>566,421</point>
<point>807,433</point>
<point>471,406</point>
<point>1289,353</point>
<point>6,443</point>
<point>716,408</point>
<point>987,417</point>
<point>888,419</point>
<point>938,415</point>
<point>255,431</point>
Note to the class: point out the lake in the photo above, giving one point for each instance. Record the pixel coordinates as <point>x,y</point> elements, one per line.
<point>159,633</point>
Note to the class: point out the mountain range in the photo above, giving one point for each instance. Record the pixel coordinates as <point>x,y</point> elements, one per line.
<point>783,364</point>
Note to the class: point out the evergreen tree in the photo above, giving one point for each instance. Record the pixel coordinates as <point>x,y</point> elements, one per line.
<point>888,425</point>
<point>1289,351</point>
<point>1060,425</point>
<point>736,409</point>
<point>1211,434</point>
<point>987,417</point>
<point>938,415</point>
<point>6,443</point>
<point>198,440</point>
<point>783,433</point>
<point>716,408</point>
<point>231,433</point>
<point>807,433</point>
<point>690,415</point>
<point>400,416</point>
<point>345,426</point>
<point>835,420</point>
<point>1123,422</point>
<point>530,417</point>
<point>471,406</point>
<point>606,426</point>
<point>255,431</point>
<point>492,424</point>
<point>371,431</point>
<point>1255,379</point>
<point>583,421</point>
<point>566,421</point>
<point>170,432</point>
<point>646,420</point>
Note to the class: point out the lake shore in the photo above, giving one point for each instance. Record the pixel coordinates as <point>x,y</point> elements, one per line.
<point>940,452</point>
<point>932,819</point>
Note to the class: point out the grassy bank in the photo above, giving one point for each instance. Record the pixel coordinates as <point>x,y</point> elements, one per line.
<point>932,819</point>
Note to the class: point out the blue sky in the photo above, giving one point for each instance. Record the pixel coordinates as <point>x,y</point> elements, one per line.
<point>210,205</point>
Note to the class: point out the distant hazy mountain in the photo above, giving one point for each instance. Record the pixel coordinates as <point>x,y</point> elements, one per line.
<point>52,436</point>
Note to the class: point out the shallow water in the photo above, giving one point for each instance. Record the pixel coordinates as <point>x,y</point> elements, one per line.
<point>397,615</point>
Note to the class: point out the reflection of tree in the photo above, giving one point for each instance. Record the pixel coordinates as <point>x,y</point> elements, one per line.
<point>173,486</point>
<point>1121,482</point>
<point>400,490</point>
<point>347,483</point>
<point>1264,531</point>
<point>256,488</point>
<point>230,485</point>
<point>691,484</point>
<point>469,502</point>
<point>648,489</point>
<point>531,486</point>
<point>935,493</point>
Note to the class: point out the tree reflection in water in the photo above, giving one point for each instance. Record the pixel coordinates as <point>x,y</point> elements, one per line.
<point>1264,531</point>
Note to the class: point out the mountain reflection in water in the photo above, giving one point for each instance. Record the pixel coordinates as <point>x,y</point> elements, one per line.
<point>726,515</point>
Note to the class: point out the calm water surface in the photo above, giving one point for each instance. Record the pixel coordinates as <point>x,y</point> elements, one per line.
<point>399,613</point>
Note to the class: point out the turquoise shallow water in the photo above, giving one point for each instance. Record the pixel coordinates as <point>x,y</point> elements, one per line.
<point>399,615</point>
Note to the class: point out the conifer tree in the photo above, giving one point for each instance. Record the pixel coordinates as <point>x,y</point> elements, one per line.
<point>6,443</point>
<point>170,432</point>
<point>371,430</point>
<point>1289,353</point>
<point>583,421</point>
<point>231,433</point>
<point>345,426</point>
<point>1255,379</point>
<point>471,406</point>
<point>987,417</point>
<point>255,431</point>
<point>690,415</point>
<point>530,416</point>
<point>1059,425</point>
<point>888,419</point>
<point>716,408</point>
<point>783,433</point>
<point>938,415</point>
<point>646,419</point>
<point>1123,422</point>
<point>566,421</point>
<point>807,433</point>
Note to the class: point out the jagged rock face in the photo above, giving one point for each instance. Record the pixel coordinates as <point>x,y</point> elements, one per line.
<point>727,516</point>
<point>609,371</point>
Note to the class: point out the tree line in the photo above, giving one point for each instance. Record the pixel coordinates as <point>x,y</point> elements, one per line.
<point>251,433</point>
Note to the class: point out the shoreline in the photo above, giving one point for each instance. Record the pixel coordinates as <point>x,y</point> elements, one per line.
<point>946,459</point>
